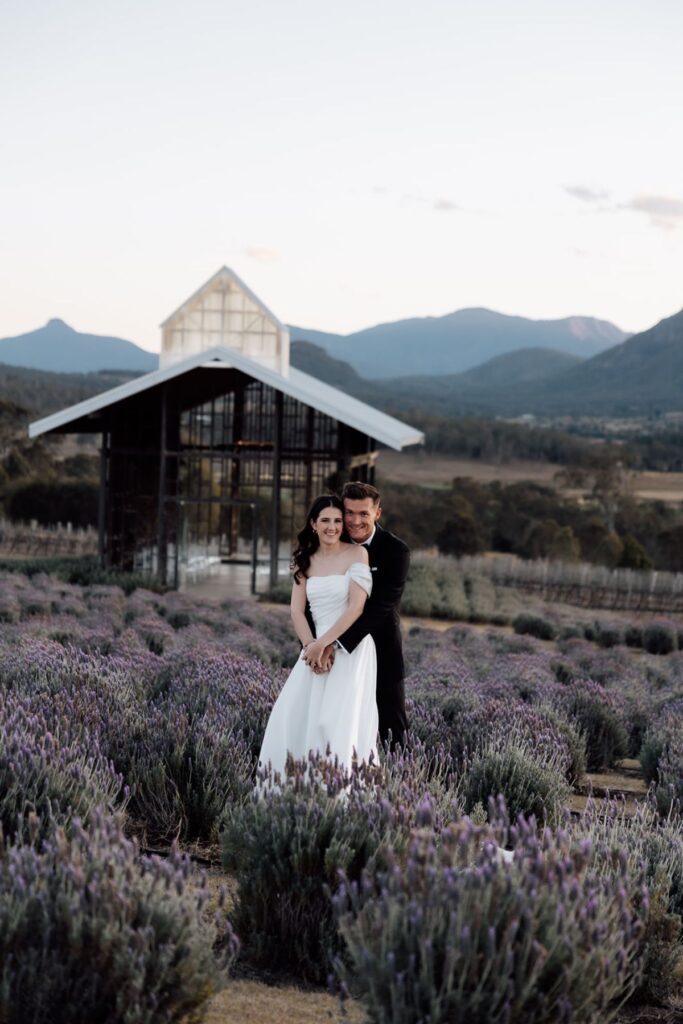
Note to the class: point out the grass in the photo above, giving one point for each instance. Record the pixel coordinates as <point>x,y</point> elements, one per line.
<point>437,471</point>
<point>252,1002</point>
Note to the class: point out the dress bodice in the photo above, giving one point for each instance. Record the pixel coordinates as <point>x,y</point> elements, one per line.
<point>328,595</point>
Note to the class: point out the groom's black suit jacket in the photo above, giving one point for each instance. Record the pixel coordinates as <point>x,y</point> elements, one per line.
<point>389,560</point>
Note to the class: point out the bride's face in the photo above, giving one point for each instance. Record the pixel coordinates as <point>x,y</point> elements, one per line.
<point>329,525</point>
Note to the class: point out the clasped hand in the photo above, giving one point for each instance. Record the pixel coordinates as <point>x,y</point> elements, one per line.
<point>318,657</point>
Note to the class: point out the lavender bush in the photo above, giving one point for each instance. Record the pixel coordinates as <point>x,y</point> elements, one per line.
<point>46,775</point>
<point>100,690</point>
<point>288,844</point>
<point>510,768</point>
<point>660,637</point>
<point>91,932</point>
<point>452,933</point>
<point>186,770</point>
<point>593,711</point>
<point>654,845</point>
<point>467,722</point>
<point>534,625</point>
<point>662,759</point>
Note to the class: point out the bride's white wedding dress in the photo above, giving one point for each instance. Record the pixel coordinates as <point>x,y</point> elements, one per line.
<point>337,708</point>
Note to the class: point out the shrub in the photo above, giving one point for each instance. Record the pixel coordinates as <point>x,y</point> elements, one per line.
<point>565,672</point>
<point>54,501</point>
<point>452,600</point>
<point>609,634</point>
<point>655,846</point>
<point>454,934</point>
<point>481,594</point>
<point>281,593</point>
<point>528,785</point>
<point>421,595</point>
<point>198,743</point>
<point>589,705</point>
<point>89,932</point>
<point>670,788</point>
<point>633,635</point>
<point>42,773</point>
<point>650,753</point>
<point>288,844</point>
<point>83,570</point>
<point>187,769</point>
<point>659,638</point>
<point>534,625</point>
<point>179,619</point>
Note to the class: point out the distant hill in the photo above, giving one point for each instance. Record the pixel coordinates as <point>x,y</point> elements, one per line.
<point>61,349</point>
<point>525,366</point>
<point>458,342</point>
<point>314,360</point>
<point>643,374</point>
<point>475,390</point>
<point>41,392</point>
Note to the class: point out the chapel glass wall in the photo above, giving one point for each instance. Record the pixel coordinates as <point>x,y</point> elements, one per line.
<point>229,478</point>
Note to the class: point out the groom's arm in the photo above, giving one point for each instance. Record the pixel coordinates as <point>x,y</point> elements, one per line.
<point>309,618</point>
<point>386,593</point>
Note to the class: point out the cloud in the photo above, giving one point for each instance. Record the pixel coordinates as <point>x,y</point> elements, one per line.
<point>444,205</point>
<point>587,194</point>
<point>262,254</point>
<point>436,203</point>
<point>664,211</point>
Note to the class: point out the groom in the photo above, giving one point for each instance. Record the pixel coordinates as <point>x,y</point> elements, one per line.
<point>389,560</point>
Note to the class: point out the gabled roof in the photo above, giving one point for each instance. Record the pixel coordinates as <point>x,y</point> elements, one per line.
<point>298,385</point>
<point>225,272</point>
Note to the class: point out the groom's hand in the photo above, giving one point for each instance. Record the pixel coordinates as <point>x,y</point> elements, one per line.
<point>322,664</point>
<point>328,658</point>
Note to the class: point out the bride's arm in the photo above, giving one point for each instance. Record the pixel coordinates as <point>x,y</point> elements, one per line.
<point>354,609</point>
<point>297,607</point>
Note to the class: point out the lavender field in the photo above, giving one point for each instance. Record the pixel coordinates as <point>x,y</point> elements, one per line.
<point>131,724</point>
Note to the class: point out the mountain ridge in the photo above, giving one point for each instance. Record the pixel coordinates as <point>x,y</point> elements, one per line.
<point>458,341</point>
<point>642,375</point>
<point>60,348</point>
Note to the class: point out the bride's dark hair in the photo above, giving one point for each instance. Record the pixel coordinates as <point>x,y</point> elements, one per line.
<point>307,541</point>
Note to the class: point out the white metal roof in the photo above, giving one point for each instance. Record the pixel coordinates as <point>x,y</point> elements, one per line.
<point>298,385</point>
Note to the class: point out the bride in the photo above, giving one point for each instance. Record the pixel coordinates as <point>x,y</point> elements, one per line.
<point>334,705</point>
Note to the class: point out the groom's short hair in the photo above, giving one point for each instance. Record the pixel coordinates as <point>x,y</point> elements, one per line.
<point>357,491</point>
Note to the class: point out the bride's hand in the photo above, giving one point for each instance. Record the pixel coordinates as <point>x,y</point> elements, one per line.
<point>313,653</point>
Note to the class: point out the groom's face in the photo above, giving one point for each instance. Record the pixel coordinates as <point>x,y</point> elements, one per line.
<point>360,516</point>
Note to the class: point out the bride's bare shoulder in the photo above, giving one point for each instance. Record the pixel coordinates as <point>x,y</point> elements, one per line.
<point>355,553</point>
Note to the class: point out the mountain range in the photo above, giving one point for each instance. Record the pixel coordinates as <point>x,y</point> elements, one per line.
<point>458,341</point>
<point>642,374</point>
<point>449,344</point>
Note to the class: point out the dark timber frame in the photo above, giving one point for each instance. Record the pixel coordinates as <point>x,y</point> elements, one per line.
<point>215,460</point>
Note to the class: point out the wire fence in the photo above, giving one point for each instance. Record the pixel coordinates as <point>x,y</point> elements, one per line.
<point>582,584</point>
<point>32,540</point>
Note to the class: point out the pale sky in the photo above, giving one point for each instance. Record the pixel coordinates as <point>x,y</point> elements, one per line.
<point>353,162</point>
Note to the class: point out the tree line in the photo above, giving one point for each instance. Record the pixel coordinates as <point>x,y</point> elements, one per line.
<point>498,441</point>
<point>535,521</point>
